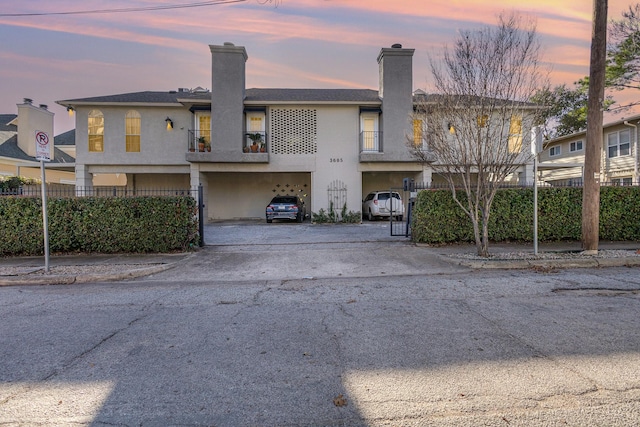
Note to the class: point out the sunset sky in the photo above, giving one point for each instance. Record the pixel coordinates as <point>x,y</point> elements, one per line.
<point>294,43</point>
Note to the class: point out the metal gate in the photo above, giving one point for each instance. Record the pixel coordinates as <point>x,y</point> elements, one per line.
<point>400,222</point>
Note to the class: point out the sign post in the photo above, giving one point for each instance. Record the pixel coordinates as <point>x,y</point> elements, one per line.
<point>43,153</point>
<point>536,148</point>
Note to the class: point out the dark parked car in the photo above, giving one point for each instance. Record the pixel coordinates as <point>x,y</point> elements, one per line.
<point>286,207</point>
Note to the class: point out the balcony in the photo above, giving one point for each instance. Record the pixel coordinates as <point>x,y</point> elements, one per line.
<point>198,141</point>
<point>252,148</point>
<point>371,142</point>
<point>255,142</point>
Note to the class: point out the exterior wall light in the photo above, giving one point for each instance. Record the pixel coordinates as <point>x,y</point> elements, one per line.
<point>169,123</point>
<point>70,110</point>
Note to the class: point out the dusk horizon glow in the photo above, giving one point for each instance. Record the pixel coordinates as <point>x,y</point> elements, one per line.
<point>301,44</point>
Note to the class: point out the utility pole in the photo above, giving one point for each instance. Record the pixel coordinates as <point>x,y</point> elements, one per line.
<point>595,104</point>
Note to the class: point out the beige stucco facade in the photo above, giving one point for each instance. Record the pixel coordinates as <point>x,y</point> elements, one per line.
<point>329,146</point>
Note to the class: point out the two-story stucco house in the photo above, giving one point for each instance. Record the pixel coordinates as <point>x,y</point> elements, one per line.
<point>244,145</point>
<point>562,160</point>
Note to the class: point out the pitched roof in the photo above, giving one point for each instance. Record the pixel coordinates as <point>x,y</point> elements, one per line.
<point>367,96</point>
<point>65,138</point>
<point>147,97</point>
<point>10,149</point>
<point>312,95</point>
<point>422,98</point>
<point>635,118</point>
<point>5,119</point>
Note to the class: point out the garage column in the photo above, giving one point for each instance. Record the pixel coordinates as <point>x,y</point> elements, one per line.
<point>196,179</point>
<point>84,181</point>
<point>426,176</point>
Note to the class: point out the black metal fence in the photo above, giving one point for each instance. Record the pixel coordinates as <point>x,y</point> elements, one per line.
<point>71,191</point>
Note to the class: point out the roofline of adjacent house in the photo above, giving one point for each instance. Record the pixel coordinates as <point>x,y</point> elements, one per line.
<point>36,163</point>
<point>622,121</point>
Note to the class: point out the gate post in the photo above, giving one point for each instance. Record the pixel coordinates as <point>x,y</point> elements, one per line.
<point>201,214</point>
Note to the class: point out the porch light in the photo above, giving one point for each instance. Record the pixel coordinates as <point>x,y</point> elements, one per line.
<point>169,123</point>
<point>70,110</point>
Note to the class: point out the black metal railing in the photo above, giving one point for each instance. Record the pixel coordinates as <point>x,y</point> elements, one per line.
<point>255,142</point>
<point>198,141</point>
<point>371,142</point>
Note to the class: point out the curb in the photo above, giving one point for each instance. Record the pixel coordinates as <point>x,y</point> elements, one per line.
<point>44,280</point>
<point>548,263</point>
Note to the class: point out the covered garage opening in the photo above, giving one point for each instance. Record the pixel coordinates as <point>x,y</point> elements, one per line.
<point>236,195</point>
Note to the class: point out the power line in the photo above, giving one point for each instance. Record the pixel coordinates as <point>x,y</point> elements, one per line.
<point>126,10</point>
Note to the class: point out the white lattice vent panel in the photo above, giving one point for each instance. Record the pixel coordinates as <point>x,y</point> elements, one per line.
<point>293,131</point>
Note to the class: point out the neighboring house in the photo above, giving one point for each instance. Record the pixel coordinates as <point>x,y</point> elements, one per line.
<point>18,146</point>
<point>562,160</point>
<point>244,146</point>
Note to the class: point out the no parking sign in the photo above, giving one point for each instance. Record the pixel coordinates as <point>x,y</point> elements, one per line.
<point>43,150</point>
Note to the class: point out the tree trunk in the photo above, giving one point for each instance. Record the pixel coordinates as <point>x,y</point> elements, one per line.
<point>591,189</point>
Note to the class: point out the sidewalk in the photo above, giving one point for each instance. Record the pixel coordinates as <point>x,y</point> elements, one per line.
<point>70,269</point>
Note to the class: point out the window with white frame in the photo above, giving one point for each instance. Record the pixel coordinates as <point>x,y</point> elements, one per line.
<point>515,134</point>
<point>622,181</point>
<point>555,151</point>
<point>418,134</point>
<point>132,131</point>
<point>575,146</point>
<point>618,143</point>
<point>96,131</point>
<point>369,131</point>
<point>203,126</point>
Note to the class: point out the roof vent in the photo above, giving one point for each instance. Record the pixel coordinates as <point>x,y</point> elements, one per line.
<point>396,46</point>
<point>44,106</point>
<point>28,101</point>
<point>229,44</point>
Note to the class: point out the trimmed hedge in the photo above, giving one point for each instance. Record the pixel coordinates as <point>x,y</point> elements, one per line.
<point>98,225</point>
<point>438,219</point>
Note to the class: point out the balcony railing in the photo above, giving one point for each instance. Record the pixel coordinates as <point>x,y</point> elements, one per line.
<point>371,142</point>
<point>199,141</point>
<point>255,142</point>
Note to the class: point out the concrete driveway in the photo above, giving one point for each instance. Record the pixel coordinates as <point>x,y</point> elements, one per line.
<point>258,232</point>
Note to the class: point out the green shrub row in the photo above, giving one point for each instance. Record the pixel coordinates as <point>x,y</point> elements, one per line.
<point>438,219</point>
<point>99,225</point>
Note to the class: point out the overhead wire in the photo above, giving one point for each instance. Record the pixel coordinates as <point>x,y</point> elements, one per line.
<point>128,9</point>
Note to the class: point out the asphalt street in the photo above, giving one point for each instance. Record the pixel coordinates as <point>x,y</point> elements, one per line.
<point>316,331</point>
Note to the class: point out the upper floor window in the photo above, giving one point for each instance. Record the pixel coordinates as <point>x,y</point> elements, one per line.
<point>132,131</point>
<point>369,128</point>
<point>515,134</point>
<point>96,131</point>
<point>618,143</point>
<point>418,140</point>
<point>203,126</point>
<point>555,151</point>
<point>575,146</point>
<point>482,120</point>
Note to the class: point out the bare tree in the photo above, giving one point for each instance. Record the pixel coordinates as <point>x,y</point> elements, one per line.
<point>476,127</point>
